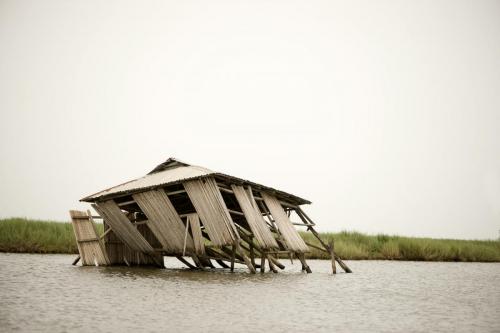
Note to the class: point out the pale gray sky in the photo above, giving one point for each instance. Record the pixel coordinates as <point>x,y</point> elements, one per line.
<point>385,114</point>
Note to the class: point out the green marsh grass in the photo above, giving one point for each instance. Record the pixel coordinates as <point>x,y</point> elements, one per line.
<point>32,236</point>
<point>354,245</point>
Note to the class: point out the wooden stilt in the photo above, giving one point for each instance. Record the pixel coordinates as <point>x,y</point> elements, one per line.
<point>343,265</point>
<point>157,261</point>
<point>233,255</point>
<point>228,253</point>
<point>206,262</point>
<point>247,261</point>
<point>263,263</point>
<point>269,257</point>
<point>305,266</point>
<point>225,256</point>
<point>272,267</point>
<point>252,245</point>
<point>221,263</point>
<point>327,250</point>
<point>197,261</point>
<point>77,259</point>
<point>332,256</point>
<point>185,262</point>
<point>252,254</point>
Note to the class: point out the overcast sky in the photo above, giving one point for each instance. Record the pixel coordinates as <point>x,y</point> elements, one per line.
<point>385,114</point>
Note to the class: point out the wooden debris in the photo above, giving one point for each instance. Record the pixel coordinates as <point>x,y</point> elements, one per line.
<point>90,246</point>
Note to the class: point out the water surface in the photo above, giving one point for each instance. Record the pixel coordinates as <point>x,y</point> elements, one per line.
<point>45,293</point>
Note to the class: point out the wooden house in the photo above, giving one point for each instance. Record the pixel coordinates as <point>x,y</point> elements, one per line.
<point>191,212</point>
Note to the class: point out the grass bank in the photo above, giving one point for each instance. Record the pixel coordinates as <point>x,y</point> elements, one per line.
<point>22,235</point>
<point>354,245</point>
<point>34,236</point>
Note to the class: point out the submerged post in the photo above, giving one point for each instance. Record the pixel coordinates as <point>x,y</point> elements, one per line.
<point>327,249</point>
<point>332,256</point>
<point>305,266</point>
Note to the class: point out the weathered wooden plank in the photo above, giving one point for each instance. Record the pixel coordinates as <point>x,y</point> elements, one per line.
<point>209,204</point>
<point>254,218</point>
<point>164,221</point>
<point>287,230</point>
<point>199,243</point>
<point>122,226</point>
<point>89,245</point>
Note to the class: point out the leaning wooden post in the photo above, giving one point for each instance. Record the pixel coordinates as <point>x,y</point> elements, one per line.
<point>197,261</point>
<point>185,262</point>
<point>332,256</point>
<point>77,259</point>
<point>252,254</point>
<point>272,267</point>
<point>341,263</point>
<point>305,266</point>
<point>247,239</point>
<point>247,261</point>
<point>221,263</point>
<point>233,255</point>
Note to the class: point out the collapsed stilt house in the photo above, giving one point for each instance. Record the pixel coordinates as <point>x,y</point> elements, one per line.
<point>187,211</point>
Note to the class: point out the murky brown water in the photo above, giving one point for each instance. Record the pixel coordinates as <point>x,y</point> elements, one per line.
<point>45,293</point>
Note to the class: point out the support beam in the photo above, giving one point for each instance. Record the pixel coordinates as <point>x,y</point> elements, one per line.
<point>221,263</point>
<point>303,216</point>
<point>185,262</point>
<point>252,254</point>
<point>305,266</point>
<point>247,261</point>
<point>197,261</point>
<point>245,235</point>
<point>225,256</point>
<point>272,267</point>
<point>327,249</point>
<point>233,256</point>
<point>259,252</point>
<point>332,256</point>
<point>159,263</point>
<point>205,261</point>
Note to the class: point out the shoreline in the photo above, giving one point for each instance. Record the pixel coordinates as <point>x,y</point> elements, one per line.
<point>19,235</point>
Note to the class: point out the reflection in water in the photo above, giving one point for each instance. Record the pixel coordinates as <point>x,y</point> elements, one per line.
<point>46,293</point>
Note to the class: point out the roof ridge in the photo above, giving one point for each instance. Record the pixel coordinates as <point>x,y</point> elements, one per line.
<point>170,163</point>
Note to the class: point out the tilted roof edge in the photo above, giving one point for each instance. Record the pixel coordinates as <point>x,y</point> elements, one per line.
<point>92,198</point>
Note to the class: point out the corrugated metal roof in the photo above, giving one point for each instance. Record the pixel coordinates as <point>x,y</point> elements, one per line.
<point>166,176</point>
<point>172,171</point>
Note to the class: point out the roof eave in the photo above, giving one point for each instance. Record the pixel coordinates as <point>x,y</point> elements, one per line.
<point>295,199</point>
